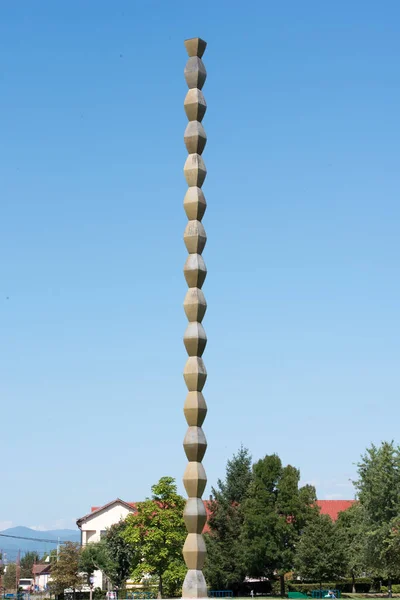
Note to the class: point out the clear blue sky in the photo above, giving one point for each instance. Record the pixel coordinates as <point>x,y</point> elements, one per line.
<point>303,252</point>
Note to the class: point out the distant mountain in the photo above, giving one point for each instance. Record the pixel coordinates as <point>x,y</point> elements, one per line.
<point>40,541</point>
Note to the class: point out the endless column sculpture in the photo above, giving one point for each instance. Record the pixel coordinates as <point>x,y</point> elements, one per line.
<point>195,339</point>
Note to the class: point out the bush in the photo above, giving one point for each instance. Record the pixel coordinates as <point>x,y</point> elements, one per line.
<point>276,587</point>
<point>363,586</point>
<point>395,589</point>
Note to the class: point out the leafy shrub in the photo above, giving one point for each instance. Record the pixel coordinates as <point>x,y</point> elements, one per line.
<point>363,585</point>
<point>395,589</point>
<point>275,587</point>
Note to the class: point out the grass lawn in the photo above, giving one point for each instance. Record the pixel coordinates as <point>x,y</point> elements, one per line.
<point>351,596</point>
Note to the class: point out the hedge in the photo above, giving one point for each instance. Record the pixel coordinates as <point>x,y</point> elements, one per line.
<point>363,586</point>
<point>395,589</point>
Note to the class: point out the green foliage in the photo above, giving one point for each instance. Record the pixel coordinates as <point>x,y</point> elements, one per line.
<point>10,576</point>
<point>173,578</point>
<point>225,566</point>
<point>275,512</point>
<point>52,555</point>
<point>395,589</point>
<point>93,557</point>
<point>118,555</point>
<point>156,534</point>
<point>363,586</point>
<point>320,554</point>
<point>237,478</point>
<point>27,563</point>
<point>352,531</point>
<point>112,555</point>
<point>378,484</point>
<point>65,572</point>
<point>378,487</point>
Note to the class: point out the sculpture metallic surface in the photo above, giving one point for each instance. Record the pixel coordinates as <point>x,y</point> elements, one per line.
<point>195,339</point>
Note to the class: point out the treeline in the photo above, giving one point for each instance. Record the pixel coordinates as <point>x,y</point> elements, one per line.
<point>9,573</point>
<point>262,525</point>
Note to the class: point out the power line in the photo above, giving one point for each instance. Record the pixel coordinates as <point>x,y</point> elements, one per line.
<point>20,537</point>
<point>14,550</point>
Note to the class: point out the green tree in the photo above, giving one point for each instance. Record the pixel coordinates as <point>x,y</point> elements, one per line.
<point>351,527</point>
<point>390,548</point>
<point>93,557</point>
<point>275,512</point>
<point>382,551</point>
<point>225,566</point>
<point>119,554</point>
<point>10,576</point>
<point>378,484</point>
<point>27,562</point>
<point>378,488</point>
<point>113,556</point>
<point>156,533</point>
<point>320,554</point>
<point>65,572</point>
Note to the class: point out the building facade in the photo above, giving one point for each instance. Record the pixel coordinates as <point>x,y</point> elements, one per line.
<point>94,525</point>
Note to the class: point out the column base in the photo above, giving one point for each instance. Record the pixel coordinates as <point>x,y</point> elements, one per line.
<point>194,587</point>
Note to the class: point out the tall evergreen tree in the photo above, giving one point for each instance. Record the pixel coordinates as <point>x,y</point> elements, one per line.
<point>27,562</point>
<point>275,512</point>
<point>225,566</point>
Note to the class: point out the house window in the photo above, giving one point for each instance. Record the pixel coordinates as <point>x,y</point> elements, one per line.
<point>102,533</point>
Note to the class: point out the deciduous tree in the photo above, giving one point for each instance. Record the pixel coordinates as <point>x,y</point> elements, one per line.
<point>112,555</point>
<point>10,576</point>
<point>119,554</point>
<point>378,488</point>
<point>320,554</point>
<point>156,533</point>
<point>351,528</point>
<point>65,572</point>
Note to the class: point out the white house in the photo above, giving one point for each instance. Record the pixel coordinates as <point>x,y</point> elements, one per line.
<point>94,525</point>
<point>41,576</point>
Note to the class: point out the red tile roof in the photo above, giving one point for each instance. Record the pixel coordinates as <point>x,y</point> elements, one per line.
<point>95,509</point>
<point>38,569</point>
<point>334,507</point>
<point>327,507</point>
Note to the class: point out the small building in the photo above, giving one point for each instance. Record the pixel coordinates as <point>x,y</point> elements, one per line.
<point>41,575</point>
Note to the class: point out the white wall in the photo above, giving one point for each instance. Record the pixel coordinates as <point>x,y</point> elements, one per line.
<point>42,581</point>
<point>101,520</point>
